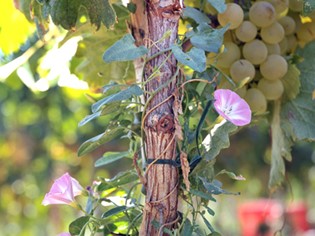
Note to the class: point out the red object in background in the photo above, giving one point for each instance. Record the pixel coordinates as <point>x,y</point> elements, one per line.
<point>258,216</point>
<point>296,215</point>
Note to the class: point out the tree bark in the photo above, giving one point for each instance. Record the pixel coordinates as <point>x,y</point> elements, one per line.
<point>161,18</point>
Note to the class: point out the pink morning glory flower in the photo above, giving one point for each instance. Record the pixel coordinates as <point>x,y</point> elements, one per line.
<point>232,107</point>
<point>63,191</point>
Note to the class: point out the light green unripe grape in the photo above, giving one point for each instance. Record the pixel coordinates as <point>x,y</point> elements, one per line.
<point>275,67</point>
<point>292,43</point>
<point>241,91</point>
<point>241,69</point>
<point>256,100</point>
<point>246,32</point>
<point>273,33</point>
<point>255,51</point>
<point>296,5</point>
<point>262,14</point>
<point>230,55</point>
<point>272,89</point>
<point>288,24</point>
<point>283,46</point>
<point>280,6</point>
<point>306,32</point>
<point>233,15</point>
<point>273,48</point>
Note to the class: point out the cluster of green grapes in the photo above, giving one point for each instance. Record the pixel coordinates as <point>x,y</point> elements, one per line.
<point>256,45</point>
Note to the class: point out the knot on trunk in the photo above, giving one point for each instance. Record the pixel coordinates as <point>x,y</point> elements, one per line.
<point>165,124</point>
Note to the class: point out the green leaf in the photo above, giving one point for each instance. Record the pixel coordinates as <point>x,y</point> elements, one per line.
<point>120,179</point>
<point>291,82</point>
<point>280,148</point>
<point>196,15</point>
<point>187,228</point>
<point>65,12</point>
<point>215,187</point>
<point>203,195</point>
<point>114,211</point>
<point>195,58</point>
<point>308,6</point>
<point>208,224</point>
<point>100,11</point>
<point>124,50</point>
<point>133,90</point>
<point>110,157</point>
<point>207,38</point>
<point>231,175</point>
<point>99,140</point>
<point>76,227</point>
<point>300,112</point>
<point>209,210</point>
<point>110,109</point>
<point>218,139</point>
<point>89,118</point>
<point>219,5</point>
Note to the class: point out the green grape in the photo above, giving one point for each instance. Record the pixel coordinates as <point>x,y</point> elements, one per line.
<point>292,43</point>
<point>296,5</point>
<point>241,91</point>
<point>273,48</point>
<point>273,33</point>
<point>255,51</point>
<point>272,89</point>
<point>256,100</point>
<point>280,6</point>
<point>242,69</point>
<point>306,32</point>
<point>275,67</point>
<point>262,14</point>
<point>233,14</point>
<point>288,24</point>
<point>283,46</point>
<point>246,32</point>
<point>230,55</point>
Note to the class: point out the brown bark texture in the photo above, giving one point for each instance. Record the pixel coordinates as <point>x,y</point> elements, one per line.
<point>153,20</point>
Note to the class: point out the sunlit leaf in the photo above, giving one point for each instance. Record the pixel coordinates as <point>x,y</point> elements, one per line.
<point>195,58</point>
<point>218,139</point>
<point>120,179</point>
<point>124,50</point>
<point>131,91</point>
<point>110,157</point>
<point>93,143</point>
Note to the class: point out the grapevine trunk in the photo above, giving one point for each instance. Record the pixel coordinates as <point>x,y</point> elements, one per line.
<point>158,33</point>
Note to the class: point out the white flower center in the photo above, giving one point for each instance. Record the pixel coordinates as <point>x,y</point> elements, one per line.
<point>227,110</point>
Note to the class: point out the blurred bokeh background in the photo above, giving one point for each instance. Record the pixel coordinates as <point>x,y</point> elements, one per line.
<point>41,104</point>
